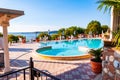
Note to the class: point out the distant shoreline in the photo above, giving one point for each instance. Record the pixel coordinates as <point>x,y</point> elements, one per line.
<point>30,35</point>
<point>34,32</point>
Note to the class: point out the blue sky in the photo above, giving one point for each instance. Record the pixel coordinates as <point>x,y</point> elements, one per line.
<point>41,15</point>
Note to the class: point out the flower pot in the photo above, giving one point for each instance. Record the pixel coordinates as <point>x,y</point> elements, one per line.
<point>23,40</point>
<point>96,66</point>
<point>37,40</point>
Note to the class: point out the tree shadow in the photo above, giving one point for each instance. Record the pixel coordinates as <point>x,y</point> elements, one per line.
<point>82,72</point>
<point>18,63</point>
<point>20,49</point>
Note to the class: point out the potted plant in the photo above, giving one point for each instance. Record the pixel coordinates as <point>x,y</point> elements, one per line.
<point>37,39</point>
<point>96,61</point>
<point>12,38</point>
<point>23,38</point>
<point>116,43</point>
<point>116,39</point>
<point>1,35</point>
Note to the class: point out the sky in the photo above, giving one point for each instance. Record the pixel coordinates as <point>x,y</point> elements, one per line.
<point>44,15</point>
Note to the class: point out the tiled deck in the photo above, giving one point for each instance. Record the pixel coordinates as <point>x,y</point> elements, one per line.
<point>65,70</point>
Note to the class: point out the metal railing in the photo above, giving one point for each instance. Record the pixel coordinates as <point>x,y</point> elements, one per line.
<point>31,73</point>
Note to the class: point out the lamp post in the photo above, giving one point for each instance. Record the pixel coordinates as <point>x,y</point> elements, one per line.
<point>48,34</point>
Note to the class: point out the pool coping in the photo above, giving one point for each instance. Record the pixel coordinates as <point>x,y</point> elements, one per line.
<point>85,56</point>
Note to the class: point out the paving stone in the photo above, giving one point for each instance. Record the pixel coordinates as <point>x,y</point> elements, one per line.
<point>65,70</point>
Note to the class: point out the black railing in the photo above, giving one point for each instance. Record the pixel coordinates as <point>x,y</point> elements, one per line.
<point>31,73</point>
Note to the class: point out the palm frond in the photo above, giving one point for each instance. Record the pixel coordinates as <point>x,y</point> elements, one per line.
<point>107,4</point>
<point>96,52</point>
<point>116,40</point>
<point>100,7</point>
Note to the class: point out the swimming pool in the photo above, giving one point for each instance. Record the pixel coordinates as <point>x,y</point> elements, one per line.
<point>69,48</point>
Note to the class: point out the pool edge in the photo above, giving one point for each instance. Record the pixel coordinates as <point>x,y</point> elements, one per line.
<point>86,56</point>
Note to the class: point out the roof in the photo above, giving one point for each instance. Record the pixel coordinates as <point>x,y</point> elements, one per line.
<point>11,13</point>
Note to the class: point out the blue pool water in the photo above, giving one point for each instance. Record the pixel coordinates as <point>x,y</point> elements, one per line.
<point>70,48</point>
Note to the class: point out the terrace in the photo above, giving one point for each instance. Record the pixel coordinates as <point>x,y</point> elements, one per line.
<point>65,70</point>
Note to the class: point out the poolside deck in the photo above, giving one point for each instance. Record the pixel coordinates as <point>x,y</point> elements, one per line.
<point>65,70</point>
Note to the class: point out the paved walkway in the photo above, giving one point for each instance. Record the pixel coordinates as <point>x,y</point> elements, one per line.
<point>65,70</point>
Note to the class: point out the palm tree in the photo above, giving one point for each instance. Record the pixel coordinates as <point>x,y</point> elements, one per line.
<point>114,7</point>
<point>108,4</point>
<point>96,54</point>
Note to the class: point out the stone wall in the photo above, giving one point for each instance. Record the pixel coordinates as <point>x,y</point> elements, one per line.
<point>111,65</point>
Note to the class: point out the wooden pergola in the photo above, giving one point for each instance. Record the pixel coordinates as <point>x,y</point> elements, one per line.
<point>5,16</point>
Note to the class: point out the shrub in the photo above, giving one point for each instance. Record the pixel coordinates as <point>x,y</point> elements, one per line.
<point>116,40</point>
<point>54,36</point>
<point>1,35</point>
<point>12,38</point>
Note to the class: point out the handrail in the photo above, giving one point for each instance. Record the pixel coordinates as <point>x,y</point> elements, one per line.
<point>12,72</point>
<point>32,73</point>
